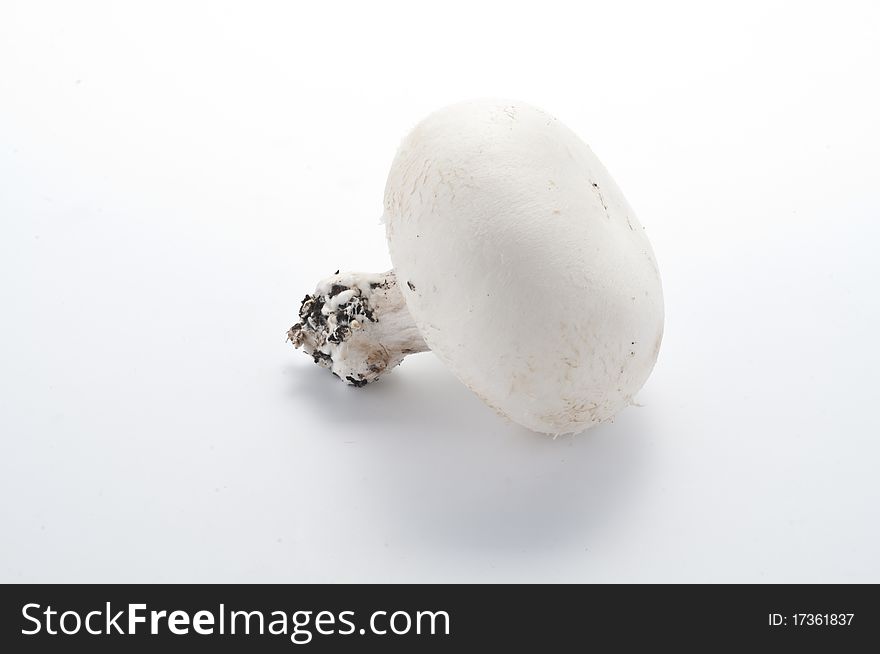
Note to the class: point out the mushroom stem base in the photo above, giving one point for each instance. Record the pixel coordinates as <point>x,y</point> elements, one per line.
<point>357,326</point>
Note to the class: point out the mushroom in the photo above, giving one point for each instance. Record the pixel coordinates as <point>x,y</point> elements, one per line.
<point>517,261</point>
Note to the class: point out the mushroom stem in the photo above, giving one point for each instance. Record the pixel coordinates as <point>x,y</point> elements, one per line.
<point>357,325</point>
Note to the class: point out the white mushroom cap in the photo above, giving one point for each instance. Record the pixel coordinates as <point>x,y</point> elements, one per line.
<point>522,265</point>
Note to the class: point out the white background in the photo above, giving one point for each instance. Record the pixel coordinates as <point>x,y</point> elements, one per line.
<point>175,176</point>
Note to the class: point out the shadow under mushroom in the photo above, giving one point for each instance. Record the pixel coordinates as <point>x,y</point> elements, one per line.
<point>444,467</point>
